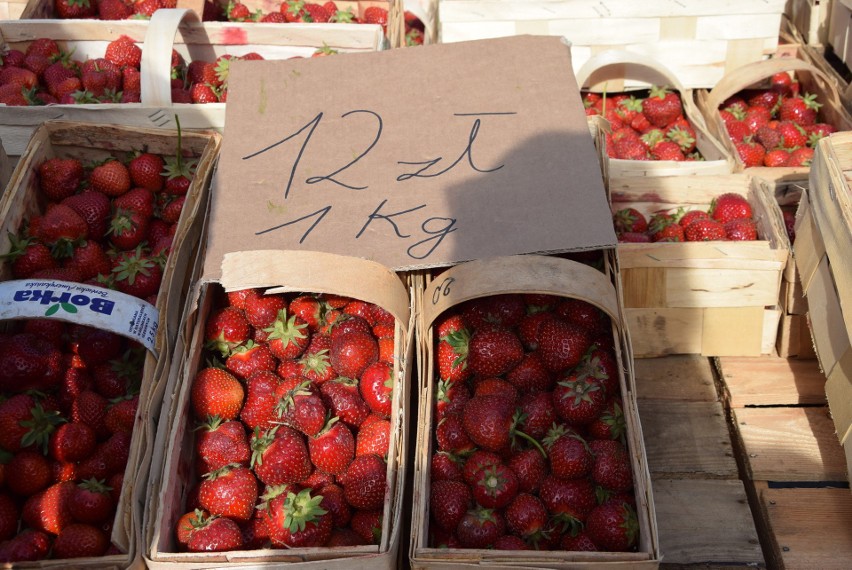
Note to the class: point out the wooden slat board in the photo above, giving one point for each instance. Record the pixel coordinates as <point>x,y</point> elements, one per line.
<point>705,522</point>
<point>790,444</point>
<point>812,527</point>
<point>771,381</point>
<point>687,439</point>
<point>687,377</point>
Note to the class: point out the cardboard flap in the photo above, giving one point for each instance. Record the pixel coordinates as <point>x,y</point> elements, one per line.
<point>411,158</point>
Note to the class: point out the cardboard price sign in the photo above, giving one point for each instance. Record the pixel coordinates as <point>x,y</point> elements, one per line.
<point>414,157</point>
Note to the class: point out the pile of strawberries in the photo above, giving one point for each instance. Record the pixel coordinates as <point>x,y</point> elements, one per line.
<point>294,427</point>
<point>774,126</point>
<point>529,429</point>
<point>729,217</point>
<point>109,224</point>
<point>645,128</point>
<point>70,395</point>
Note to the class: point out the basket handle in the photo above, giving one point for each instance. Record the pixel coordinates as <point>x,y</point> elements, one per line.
<point>751,73</point>
<point>157,55</point>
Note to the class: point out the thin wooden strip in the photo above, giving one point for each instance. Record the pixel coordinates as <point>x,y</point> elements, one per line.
<point>771,381</point>
<point>644,287</point>
<point>687,377</point>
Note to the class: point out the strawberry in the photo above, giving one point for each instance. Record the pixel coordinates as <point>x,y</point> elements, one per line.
<point>309,309</point>
<point>343,397</point>
<point>494,486</point>
<point>25,423</point>
<point>768,136</point>
<point>219,443</point>
<point>114,10</point>
<point>186,524</point>
<point>75,9</point>
<point>789,224</point>
<point>50,510</point>
<point>792,134</point>
<point>365,482</point>
<point>612,465</point>
<point>448,502</point>
<point>226,329</point>
<point>730,206</point>
<point>800,109</point>
<point>613,527</point>
<point>28,545</point>
<point>259,408</point>
<point>751,153</point>
<point>488,422</point>
<point>368,525</point>
<point>280,456</point>
<point>145,170</point>
<point>92,502</point>
<point>526,515</point>
<point>661,107</point>
<point>611,423</point>
<point>203,93</point>
<point>452,349</point>
<point>297,520</point>
<point>451,435</point>
<point>28,257</point>
<point>215,534</point>
<point>94,208</point>
<point>756,117</point>
<point>111,178</point>
<point>777,157</point>
<point>530,467</point>
<point>90,408</point>
<point>373,437</point>
<point>137,274</point>
<point>704,230</point>
<point>315,362</point>
<point>61,228</point>
<point>124,52</point>
<point>333,448</point>
<point>536,414</point>
<point>562,344</point>
<point>570,457</point>
<point>216,392</point>
<point>569,501</point>
<point>667,150</point>
<point>494,310</point>
<point>510,542</point>
<point>299,406</point>
<point>9,514</point>
<point>287,336</point>
<point>493,351</point>
<point>531,374</point>
<point>801,157</point>
<point>90,259</point>
<point>376,386</point>
<point>445,467</point>
<point>230,491</point>
<point>28,473</point>
<point>72,441</point>
<point>131,218</point>
<point>741,229</point>
<point>351,353</point>
<point>629,220</point>
<point>480,528</point>
<point>59,178</point>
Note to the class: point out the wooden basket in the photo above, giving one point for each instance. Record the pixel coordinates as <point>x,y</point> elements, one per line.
<point>609,70</point>
<point>523,274</point>
<point>812,80</point>
<point>172,470</point>
<point>22,199</point>
<point>713,298</point>
<point>823,238</point>
<point>167,29</point>
<point>700,41</point>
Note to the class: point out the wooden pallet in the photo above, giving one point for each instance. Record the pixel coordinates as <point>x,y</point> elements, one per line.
<point>793,466</point>
<point>703,515</point>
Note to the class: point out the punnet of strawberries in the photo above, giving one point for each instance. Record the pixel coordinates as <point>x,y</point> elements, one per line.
<point>776,125</point>
<point>729,218</point>
<point>529,431</point>
<point>292,426</point>
<point>645,125</point>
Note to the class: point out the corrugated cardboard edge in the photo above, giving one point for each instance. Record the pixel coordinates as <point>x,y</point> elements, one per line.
<point>528,274</point>
<point>284,271</point>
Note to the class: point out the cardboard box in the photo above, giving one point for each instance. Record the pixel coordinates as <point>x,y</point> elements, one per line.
<point>823,237</point>
<point>711,298</point>
<point>812,79</point>
<point>698,40</point>
<point>608,71</point>
<point>91,142</point>
<point>502,275</point>
<point>167,29</point>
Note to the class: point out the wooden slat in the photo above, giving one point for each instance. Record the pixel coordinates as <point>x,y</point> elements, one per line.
<point>771,381</point>
<point>812,527</point>
<point>686,377</point>
<point>687,439</point>
<point>790,444</point>
<point>705,522</point>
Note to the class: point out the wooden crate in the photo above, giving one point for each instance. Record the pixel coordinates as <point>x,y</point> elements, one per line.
<point>610,72</point>
<point>811,19</point>
<point>173,28</point>
<point>700,41</point>
<point>22,199</point>
<point>812,79</point>
<point>710,298</point>
<point>839,26</point>
<point>529,273</point>
<point>172,472</point>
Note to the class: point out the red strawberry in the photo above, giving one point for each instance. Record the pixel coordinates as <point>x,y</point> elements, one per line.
<point>299,405</point>
<point>376,386</point>
<point>215,534</point>
<point>792,134</point>
<point>343,398</point>
<point>262,310</point>
<point>75,9</point>
<point>280,456</point>
<point>72,441</point>
<point>750,152</point>
<point>448,502</point>
<point>124,52</point>
<point>297,520</point>
<point>132,212</point>
<point>613,527</point>
<point>742,229</point>
<point>287,336</point>
<point>365,482</point>
<point>569,502</point>
<point>487,421</point>
<point>570,457</point>
<point>137,274</point>
<point>259,408</point>
<point>28,257</point>
<point>530,467</point>
<point>307,308</point>
<point>611,423</point>
<point>450,398</point>
<point>664,227</point>
<point>215,392</point>
<point>9,513</point>
<point>90,259</point>
<point>145,171</point>
<point>629,220</point>
<point>28,473</point>
<point>494,310</point>
<point>480,528</point>
<point>219,443</point>
<point>61,228</point>
<point>92,502</point>
<point>800,109</point>
<point>801,157</point>
<point>495,486</point>
<point>451,435</point>
<point>730,206</point>
<point>351,353</point>
<point>444,466</point>
<point>494,351</point>
<point>29,545</point>
<point>562,344</point>
<point>226,329</point>
<point>531,374</point>
<point>777,157</point>
<point>50,510</point>
<point>704,230</point>
<point>203,93</point>
<point>333,448</point>
<point>612,468</point>
<point>526,515</point>
<point>315,362</point>
<point>24,423</point>
<point>111,178</point>
<point>661,107</point>
<point>59,177</point>
<point>452,349</point>
<point>230,491</point>
<point>536,414</point>
<point>667,150</point>
<point>373,437</point>
<point>114,10</point>
<point>94,208</point>
<point>246,359</point>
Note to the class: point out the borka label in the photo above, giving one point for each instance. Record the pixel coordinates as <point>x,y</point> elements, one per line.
<point>81,304</point>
